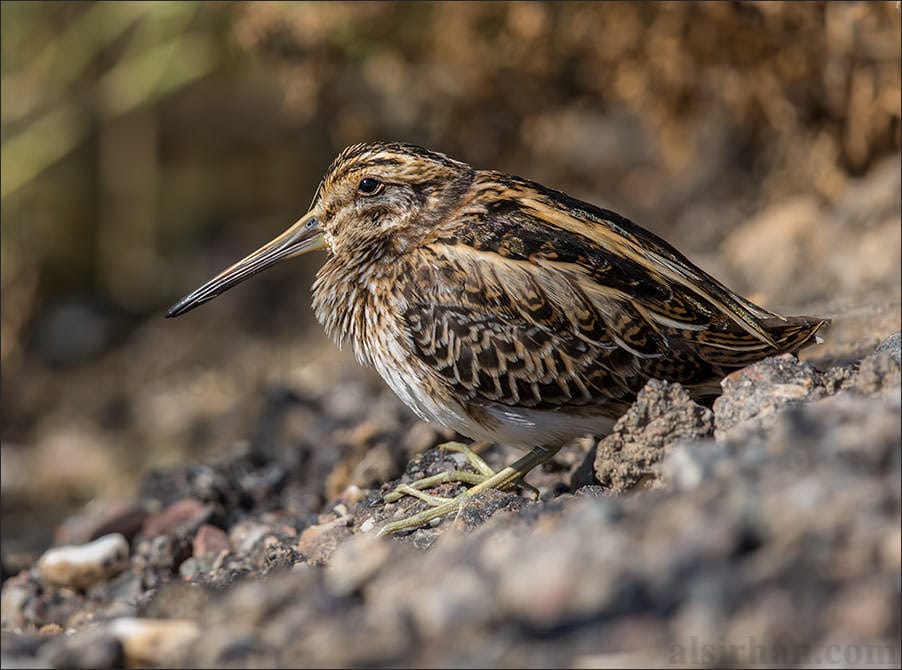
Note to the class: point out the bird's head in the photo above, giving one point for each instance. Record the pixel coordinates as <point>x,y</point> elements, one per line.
<point>373,196</point>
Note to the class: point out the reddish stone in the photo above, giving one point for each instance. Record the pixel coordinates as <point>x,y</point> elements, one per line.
<point>210,540</point>
<point>179,516</point>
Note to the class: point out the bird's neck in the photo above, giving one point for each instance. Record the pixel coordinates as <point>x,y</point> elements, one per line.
<point>353,294</point>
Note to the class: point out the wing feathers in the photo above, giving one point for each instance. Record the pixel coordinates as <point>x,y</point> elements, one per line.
<point>540,303</point>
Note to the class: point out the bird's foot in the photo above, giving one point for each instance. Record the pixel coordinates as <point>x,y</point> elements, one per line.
<point>485,479</point>
<point>415,489</point>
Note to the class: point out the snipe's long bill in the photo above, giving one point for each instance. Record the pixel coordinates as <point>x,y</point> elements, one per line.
<point>506,310</point>
<point>305,235</point>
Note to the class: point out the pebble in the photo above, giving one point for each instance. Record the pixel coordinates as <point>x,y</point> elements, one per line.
<point>664,413</point>
<point>245,534</point>
<point>891,346</point>
<point>99,518</point>
<point>153,641</point>
<point>754,396</point>
<point>210,540</point>
<point>15,595</point>
<point>318,543</point>
<point>181,517</point>
<point>80,566</point>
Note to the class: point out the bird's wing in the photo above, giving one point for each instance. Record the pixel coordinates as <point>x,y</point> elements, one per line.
<point>494,336</point>
<point>536,299</point>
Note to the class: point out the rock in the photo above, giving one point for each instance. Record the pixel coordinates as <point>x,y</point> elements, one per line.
<point>753,396</point>
<point>481,507</point>
<point>102,517</point>
<point>891,346</point>
<point>317,543</point>
<point>541,575</point>
<point>158,557</point>
<point>881,372</point>
<point>50,629</point>
<point>774,239</point>
<point>210,540</point>
<point>16,592</point>
<point>662,415</point>
<point>180,518</point>
<point>153,641</point>
<point>80,566</point>
<point>423,436</point>
<point>245,534</point>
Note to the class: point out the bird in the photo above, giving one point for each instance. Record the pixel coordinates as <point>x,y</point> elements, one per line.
<point>506,310</point>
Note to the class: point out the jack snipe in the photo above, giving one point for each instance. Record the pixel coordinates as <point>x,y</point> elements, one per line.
<point>506,310</point>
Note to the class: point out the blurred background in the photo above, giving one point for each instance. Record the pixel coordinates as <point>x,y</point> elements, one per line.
<point>145,146</point>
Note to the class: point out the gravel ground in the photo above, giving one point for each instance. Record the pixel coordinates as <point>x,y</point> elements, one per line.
<point>768,524</point>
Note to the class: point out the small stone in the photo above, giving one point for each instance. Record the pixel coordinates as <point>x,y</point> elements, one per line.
<point>79,566</point>
<point>754,396</point>
<point>245,534</point>
<point>99,518</point>
<point>210,540</point>
<point>15,595</point>
<point>192,568</point>
<point>181,517</point>
<point>881,372</point>
<point>318,543</point>
<point>153,641</point>
<point>662,415</point>
<point>892,346</point>
<point>484,505</point>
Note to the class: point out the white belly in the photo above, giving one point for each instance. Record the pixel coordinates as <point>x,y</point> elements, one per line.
<point>417,386</point>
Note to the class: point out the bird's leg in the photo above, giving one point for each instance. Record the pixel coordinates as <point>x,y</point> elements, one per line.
<point>499,480</point>
<point>428,482</point>
<point>471,453</point>
<point>476,461</point>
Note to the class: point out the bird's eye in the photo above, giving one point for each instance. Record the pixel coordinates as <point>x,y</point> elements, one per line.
<point>369,186</point>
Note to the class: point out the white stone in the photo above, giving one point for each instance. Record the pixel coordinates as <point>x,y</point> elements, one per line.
<point>80,566</point>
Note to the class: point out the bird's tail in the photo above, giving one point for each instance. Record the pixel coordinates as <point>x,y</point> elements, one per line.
<point>795,332</point>
<point>735,349</point>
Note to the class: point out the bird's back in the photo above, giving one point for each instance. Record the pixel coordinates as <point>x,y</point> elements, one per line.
<point>530,300</point>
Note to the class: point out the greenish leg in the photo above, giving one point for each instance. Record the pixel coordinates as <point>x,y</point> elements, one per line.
<point>429,482</point>
<point>475,460</point>
<point>497,480</point>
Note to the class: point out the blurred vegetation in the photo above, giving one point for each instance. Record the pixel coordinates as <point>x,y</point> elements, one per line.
<point>147,145</point>
<point>135,133</point>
